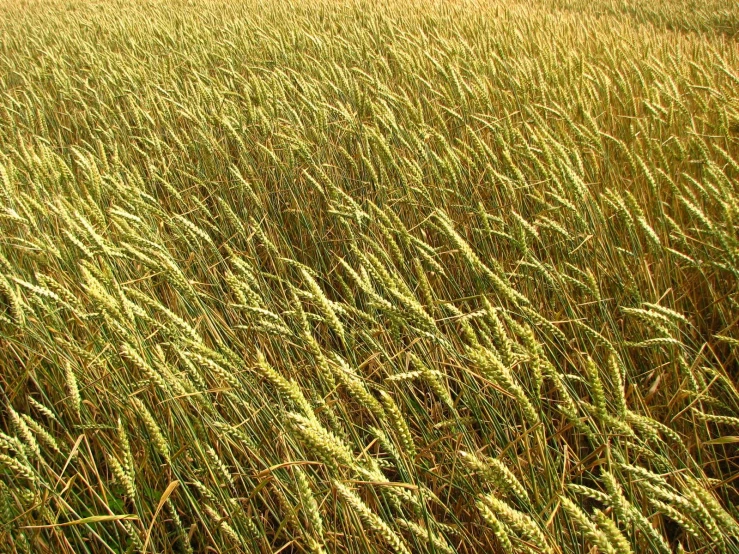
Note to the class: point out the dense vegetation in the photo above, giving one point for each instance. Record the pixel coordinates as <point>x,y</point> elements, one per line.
<point>408,276</point>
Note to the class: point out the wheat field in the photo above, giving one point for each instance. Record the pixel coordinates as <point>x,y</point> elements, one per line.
<point>364,277</point>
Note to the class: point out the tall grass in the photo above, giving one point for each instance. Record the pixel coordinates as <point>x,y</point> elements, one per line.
<point>366,277</point>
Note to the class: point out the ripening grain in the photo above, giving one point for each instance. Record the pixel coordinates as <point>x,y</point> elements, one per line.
<point>348,277</point>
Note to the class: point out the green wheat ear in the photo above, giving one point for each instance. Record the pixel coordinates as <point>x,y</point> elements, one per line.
<point>350,276</point>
